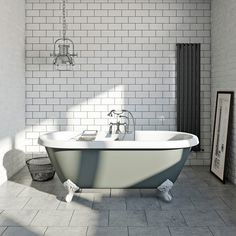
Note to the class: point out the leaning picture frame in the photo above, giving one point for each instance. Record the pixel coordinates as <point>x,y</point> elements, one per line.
<point>220,138</point>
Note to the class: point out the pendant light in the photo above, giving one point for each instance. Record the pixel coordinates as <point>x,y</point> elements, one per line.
<point>63,58</point>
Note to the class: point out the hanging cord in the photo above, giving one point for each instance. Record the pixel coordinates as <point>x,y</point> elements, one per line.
<point>64,19</point>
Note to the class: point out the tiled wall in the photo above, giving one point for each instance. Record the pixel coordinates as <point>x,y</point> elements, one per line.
<point>12,87</point>
<point>224,64</point>
<point>126,60</point>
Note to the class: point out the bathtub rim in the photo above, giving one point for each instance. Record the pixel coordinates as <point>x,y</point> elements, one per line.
<point>44,140</point>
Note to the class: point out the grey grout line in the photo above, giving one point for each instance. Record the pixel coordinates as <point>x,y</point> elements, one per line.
<point>71,217</point>
<point>4,230</point>
<point>224,201</point>
<point>220,216</point>
<point>20,192</point>
<point>146,217</point>
<point>195,207</point>
<point>210,230</point>
<point>26,203</point>
<point>168,227</point>
<point>34,217</point>
<point>183,217</point>
<point>45,231</point>
<point>93,202</point>
<point>108,220</point>
<point>59,203</point>
<point>87,228</point>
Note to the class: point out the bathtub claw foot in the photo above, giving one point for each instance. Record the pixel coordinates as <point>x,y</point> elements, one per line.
<point>71,188</point>
<point>164,189</point>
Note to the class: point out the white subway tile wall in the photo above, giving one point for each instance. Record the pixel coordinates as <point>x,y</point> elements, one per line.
<point>223,66</point>
<point>126,59</point>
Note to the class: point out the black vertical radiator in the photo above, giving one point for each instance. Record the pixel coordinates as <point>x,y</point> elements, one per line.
<point>188,89</point>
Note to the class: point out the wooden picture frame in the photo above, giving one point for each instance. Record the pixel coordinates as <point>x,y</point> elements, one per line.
<point>219,152</point>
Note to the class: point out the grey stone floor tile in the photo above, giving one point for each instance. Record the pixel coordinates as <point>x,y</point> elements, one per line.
<point>17,217</point>
<point>165,218</point>
<point>233,190</point>
<point>40,203</point>
<point>107,203</point>
<point>125,192</point>
<point>223,231</point>
<point>2,229</point>
<point>127,218</point>
<point>213,182</point>
<point>177,203</point>
<point>190,231</point>
<point>106,192</point>
<point>11,189</point>
<point>24,172</point>
<point>211,192</point>
<point>149,231</point>
<point>32,192</point>
<point>202,218</point>
<point>228,216</point>
<point>52,218</point>
<point>80,202</point>
<point>13,202</point>
<point>89,218</point>
<point>144,203</point>
<point>192,181</point>
<point>66,231</point>
<point>24,231</point>
<point>152,192</point>
<point>199,168</point>
<point>182,191</point>
<point>107,231</point>
<point>189,172</point>
<point>52,187</point>
<point>205,175</point>
<point>58,191</point>
<point>211,204</point>
<point>195,194</point>
<point>230,202</point>
<point>23,181</point>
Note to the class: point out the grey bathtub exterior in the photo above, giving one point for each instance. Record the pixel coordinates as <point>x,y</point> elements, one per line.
<point>107,168</point>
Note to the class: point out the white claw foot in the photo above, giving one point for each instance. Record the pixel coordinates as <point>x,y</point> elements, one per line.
<point>164,189</point>
<point>71,188</point>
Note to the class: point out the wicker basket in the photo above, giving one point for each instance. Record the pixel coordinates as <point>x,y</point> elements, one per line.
<point>40,168</point>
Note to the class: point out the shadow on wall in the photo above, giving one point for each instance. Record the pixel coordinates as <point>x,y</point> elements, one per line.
<point>13,160</point>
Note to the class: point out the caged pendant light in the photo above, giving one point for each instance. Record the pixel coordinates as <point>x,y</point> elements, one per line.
<point>63,59</point>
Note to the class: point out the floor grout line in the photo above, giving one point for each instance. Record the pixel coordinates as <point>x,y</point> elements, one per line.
<point>4,230</point>
<point>210,230</point>
<point>183,217</point>
<point>145,214</point>
<point>26,203</point>
<point>20,192</point>
<point>108,220</point>
<point>168,227</point>
<point>216,211</point>
<point>34,217</point>
<point>71,218</point>
<point>87,228</point>
<point>45,230</point>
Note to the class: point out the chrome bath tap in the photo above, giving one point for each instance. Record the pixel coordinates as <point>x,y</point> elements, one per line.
<point>119,115</point>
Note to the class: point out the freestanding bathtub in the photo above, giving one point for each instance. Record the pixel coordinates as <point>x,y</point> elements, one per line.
<point>154,159</point>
